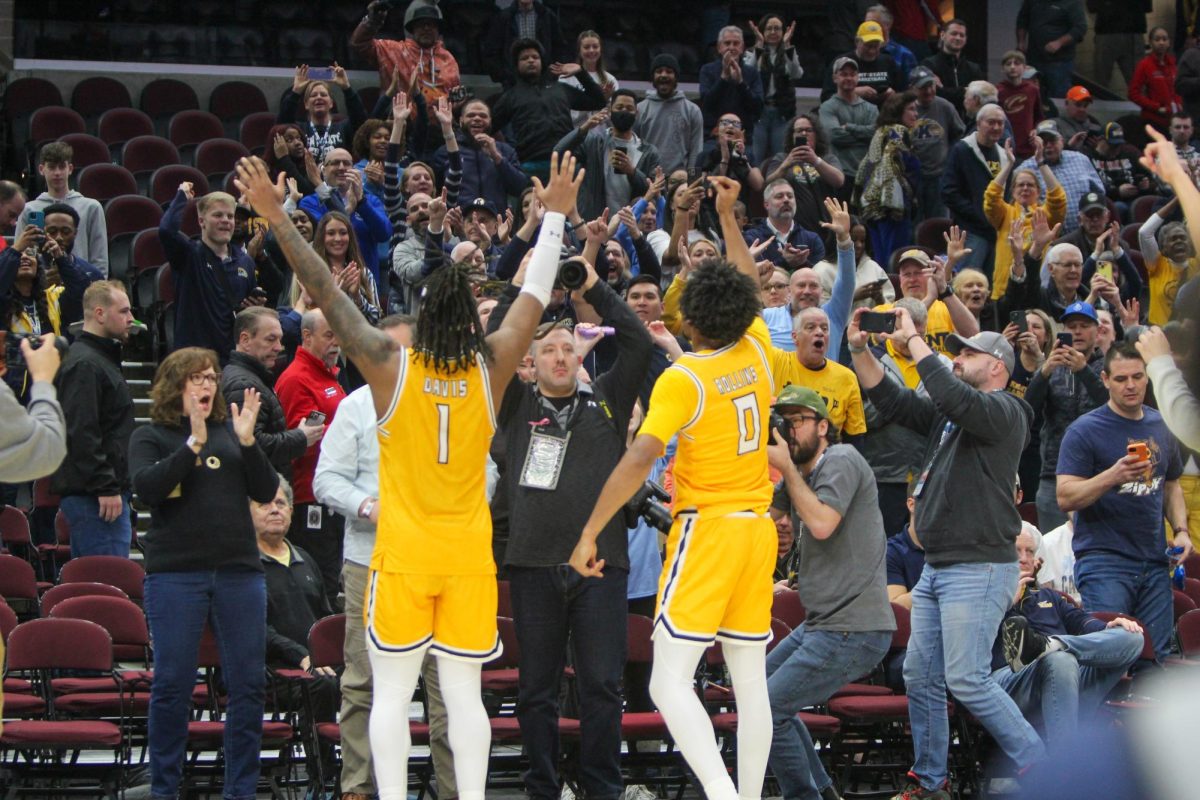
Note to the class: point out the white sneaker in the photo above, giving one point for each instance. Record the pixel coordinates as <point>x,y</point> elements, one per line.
<point>638,791</point>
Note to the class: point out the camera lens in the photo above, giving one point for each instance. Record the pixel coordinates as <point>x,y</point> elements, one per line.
<point>572,274</point>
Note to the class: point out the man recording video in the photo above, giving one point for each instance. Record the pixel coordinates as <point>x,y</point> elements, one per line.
<point>561,436</point>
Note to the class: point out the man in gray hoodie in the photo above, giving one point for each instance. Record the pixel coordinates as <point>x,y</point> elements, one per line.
<point>91,236</point>
<point>668,120</point>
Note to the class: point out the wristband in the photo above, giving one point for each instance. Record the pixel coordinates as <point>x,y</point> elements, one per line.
<point>543,266</point>
<point>858,350</point>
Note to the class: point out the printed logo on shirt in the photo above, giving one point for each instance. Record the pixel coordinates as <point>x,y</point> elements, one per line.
<point>927,129</point>
<point>331,391</point>
<point>1150,483</point>
<point>241,273</point>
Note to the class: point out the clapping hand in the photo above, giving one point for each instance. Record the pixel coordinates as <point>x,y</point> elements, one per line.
<point>243,418</point>
<point>254,181</point>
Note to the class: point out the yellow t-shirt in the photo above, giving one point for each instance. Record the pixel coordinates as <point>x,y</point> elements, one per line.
<point>1165,281</point>
<point>937,328</point>
<point>719,402</point>
<point>433,446</point>
<point>837,385</point>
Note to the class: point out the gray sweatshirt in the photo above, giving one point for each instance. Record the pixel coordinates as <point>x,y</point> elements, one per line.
<point>675,126</point>
<point>938,125</point>
<point>850,127</point>
<point>965,508</point>
<point>91,239</point>
<point>33,440</point>
<point>1178,406</point>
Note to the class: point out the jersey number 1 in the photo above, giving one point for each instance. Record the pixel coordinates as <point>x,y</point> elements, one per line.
<point>749,423</point>
<point>443,412</point>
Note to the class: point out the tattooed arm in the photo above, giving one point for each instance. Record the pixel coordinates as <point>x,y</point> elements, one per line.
<point>371,350</point>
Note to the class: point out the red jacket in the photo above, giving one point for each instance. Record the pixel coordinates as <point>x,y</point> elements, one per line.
<point>307,385</point>
<point>1153,87</point>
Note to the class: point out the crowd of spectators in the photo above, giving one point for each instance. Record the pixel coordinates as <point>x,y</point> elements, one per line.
<point>957,215</point>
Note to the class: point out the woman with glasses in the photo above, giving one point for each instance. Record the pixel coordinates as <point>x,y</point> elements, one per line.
<point>776,289</point>
<point>731,156</point>
<point>197,466</point>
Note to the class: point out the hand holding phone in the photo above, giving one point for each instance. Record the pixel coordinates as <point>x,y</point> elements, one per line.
<point>1065,339</point>
<point>877,322</point>
<point>314,418</point>
<point>36,219</point>
<point>320,73</point>
<point>1018,319</point>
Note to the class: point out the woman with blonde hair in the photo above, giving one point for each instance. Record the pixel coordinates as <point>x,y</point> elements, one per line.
<point>589,51</point>
<point>197,466</point>
<point>334,241</point>
<point>1026,200</point>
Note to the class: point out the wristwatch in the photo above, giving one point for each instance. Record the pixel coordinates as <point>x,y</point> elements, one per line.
<point>944,293</point>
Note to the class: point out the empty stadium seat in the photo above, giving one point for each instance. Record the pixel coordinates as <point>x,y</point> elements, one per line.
<point>144,154</point>
<point>118,125</point>
<point>217,157</point>
<point>86,150</point>
<point>164,97</point>
<point>188,129</point>
<point>103,182</point>
<point>91,97</point>
<point>164,183</point>
<point>232,100</point>
<point>254,129</point>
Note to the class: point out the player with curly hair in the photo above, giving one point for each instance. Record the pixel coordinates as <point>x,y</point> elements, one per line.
<point>716,580</point>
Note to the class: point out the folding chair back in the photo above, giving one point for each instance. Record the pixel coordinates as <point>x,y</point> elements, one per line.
<point>123,573</point>
<point>786,606</point>
<point>17,582</point>
<point>326,641</point>
<point>125,622</point>
<point>1188,628</point>
<point>67,591</point>
<point>59,644</point>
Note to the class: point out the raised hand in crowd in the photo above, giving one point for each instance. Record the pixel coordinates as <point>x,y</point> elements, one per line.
<point>595,120</point>
<point>956,246</point>
<point>340,78</point>
<point>839,219</point>
<point>664,338</point>
<point>300,80</point>
<point>559,193</point>
<point>564,70</point>
<point>438,212</point>
<point>625,217</point>
<point>279,145</point>
<point>243,418</point>
<point>187,189</point>
<point>1041,234</point>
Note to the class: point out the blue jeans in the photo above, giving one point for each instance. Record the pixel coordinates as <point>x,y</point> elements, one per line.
<point>956,613</point>
<point>804,669</point>
<point>234,603</point>
<point>1109,582</point>
<point>1066,684</point>
<point>769,131</point>
<point>551,604</point>
<point>92,536</point>
<point>1050,516</point>
<point>1056,77</point>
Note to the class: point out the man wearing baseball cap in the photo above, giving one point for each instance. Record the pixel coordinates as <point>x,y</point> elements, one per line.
<point>1067,386</point>
<point>947,313</point>
<point>968,522</point>
<point>1075,123</point>
<point>848,113</point>
<point>1074,170</point>
<point>878,75</point>
<point>829,491</point>
<point>1117,163</point>
<point>938,126</point>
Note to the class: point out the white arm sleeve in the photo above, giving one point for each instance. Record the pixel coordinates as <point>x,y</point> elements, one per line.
<point>543,266</point>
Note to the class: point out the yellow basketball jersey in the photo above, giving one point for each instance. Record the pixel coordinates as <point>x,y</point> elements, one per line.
<point>719,401</point>
<point>433,446</point>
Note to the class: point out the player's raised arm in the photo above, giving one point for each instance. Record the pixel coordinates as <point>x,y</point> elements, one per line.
<point>510,342</point>
<point>736,250</point>
<point>368,347</point>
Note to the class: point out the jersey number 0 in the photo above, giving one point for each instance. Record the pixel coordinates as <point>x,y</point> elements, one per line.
<point>749,423</point>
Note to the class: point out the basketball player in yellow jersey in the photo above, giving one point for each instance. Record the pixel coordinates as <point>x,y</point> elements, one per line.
<point>716,581</point>
<point>432,583</point>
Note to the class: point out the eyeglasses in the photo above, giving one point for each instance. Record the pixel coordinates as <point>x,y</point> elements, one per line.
<point>800,419</point>
<point>730,123</point>
<point>775,287</point>
<point>201,378</point>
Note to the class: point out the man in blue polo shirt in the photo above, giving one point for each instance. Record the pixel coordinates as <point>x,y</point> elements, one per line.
<point>1118,473</point>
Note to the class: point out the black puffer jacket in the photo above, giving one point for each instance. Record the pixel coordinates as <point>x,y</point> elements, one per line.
<point>270,431</point>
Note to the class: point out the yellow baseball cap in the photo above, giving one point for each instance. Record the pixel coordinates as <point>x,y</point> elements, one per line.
<point>870,31</point>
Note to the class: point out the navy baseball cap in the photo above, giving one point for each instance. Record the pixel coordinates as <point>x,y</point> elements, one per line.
<point>480,204</point>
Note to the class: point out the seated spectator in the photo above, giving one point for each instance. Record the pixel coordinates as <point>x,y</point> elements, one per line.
<point>1117,163</point>
<point>1055,660</point>
<point>789,246</point>
<point>523,19</point>
<point>295,600</point>
<point>490,168</point>
<point>1153,84</point>
<point>421,60</point>
<point>938,127</point>
<point>32,304</point>
<point>780,70</point>
<point>808,366</point>
<point>321,132</point>
<point>1170,257</point>
<point>924,279</point>
<point>849,118</point>
<point>1074,171</point>
<point>1026,200</point>
<point>972,163</point>
<point>1021,100</point>
<point>539,106</point>
<point>670,121</point>
<point>342,190</point>
<point>887,181</point>
<point>335,242</point>
<point>905,557</point>
<point>618,164</point>
<point>878,75</point>
<point>808,164</point>
<point>1075,122</point>
<point>1057,557</point>
<point>954,72</point>
<point>91,230</point>
<point>589,55</point>
<point>872,286</point>
<point>787,559</point>
<point>729,86</point>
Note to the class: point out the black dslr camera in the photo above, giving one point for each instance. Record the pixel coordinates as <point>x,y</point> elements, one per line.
<point>648,503</point>
<point>15,359</point>
<point>572,274</point>
<point>778,423</point>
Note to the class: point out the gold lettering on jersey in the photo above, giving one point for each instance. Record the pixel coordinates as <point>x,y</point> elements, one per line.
<point>736,380</point>
<point>446,388</point>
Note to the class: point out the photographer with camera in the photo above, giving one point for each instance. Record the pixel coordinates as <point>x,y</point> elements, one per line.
<point>33,440</point>
<point>558,435</point>
<point>829,490</point>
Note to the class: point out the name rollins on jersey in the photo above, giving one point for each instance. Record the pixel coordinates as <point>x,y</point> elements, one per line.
<point>736,380</point>
<point>446,388</point>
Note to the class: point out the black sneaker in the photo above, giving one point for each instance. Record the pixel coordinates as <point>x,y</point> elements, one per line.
<point>1022,644</point>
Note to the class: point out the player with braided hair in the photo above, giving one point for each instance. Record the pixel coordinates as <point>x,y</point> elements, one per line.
<point>432,582</point>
